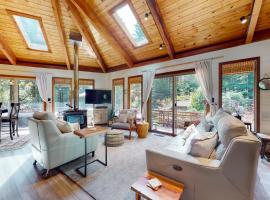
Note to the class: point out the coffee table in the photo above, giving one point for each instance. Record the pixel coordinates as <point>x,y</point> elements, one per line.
<point>84,134</point>
<point>170,189</point>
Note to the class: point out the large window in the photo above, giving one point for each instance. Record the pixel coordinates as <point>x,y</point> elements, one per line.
<point>83,85</point>
<point>32,30</point>
<point>135,94</point>
<point>176,102</point>
<point>126,17</point>
<point>61,95</point>
<point>118,95</point>
<point>238,89</point>
<point>5,87</point>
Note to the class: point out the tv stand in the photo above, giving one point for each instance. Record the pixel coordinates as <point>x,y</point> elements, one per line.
<point>101,115</point>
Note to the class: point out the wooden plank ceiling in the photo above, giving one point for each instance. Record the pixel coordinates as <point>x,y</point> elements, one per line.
<point>182,26</point>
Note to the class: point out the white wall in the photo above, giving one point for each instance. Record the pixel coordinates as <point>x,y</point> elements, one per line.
<point>101,80</point>
<point>258,49</point>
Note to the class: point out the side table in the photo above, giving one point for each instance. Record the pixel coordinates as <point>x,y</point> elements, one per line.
<point>265,139</point>
<point>170,189</point>
<point>142,129</point>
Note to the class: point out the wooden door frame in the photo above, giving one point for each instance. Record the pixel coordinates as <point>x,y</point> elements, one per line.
<point>256,89</point>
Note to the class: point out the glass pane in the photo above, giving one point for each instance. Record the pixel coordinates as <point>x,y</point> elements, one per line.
<point>118,98</point>
<point>61,98</point>
<point>162,105</point>
<point>5,92</point>
<point>30,100</point>
<point>135,100</point>
<point>190,103</point>
<point>128,22</point>
<point>238,95</point>
<point>82,105</point>
<point>31,32</point>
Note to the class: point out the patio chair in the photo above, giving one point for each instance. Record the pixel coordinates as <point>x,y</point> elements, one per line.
<point>12,119</point>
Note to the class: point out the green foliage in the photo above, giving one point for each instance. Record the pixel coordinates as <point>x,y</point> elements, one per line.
<point>4,92</point>
<point>197,100</point>
<point>138,35</point>
<point>135,96</point>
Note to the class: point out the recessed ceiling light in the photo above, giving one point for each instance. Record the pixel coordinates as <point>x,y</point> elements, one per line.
<point>243,19</point>
<point>146,16</point>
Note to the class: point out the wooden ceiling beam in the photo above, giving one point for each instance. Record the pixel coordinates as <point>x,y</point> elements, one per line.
<point>91,15</point>
<point>84,30</point>
<point>257,4</point>
<point>57,15</point>
<point>156,14</point>
<point>6,50</point>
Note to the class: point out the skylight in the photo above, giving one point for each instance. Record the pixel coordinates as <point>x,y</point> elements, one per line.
<point>130,25</point>
<point>32,32</point>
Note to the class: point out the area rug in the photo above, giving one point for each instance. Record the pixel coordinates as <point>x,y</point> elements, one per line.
<point>7,144</point>
<point>125,164</point>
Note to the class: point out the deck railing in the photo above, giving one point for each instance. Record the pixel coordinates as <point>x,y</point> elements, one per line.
<point>164,118</point>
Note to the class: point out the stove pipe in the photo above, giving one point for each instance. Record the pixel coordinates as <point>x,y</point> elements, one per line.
<point>76,40</point>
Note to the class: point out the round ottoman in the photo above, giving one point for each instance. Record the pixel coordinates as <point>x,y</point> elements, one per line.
<point>115,138</point>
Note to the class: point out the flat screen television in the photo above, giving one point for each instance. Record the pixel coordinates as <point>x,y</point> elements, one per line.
<point>97,96</point>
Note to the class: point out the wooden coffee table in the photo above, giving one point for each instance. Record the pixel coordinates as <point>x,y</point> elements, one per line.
<point>170,189</point>
<point>84,134</point>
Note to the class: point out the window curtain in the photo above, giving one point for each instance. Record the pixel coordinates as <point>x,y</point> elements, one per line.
<point>148,78</point>
<point>203,71</point>
<point>42,81</point>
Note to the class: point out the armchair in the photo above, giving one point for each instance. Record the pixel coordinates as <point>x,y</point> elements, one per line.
<point>128,124</point>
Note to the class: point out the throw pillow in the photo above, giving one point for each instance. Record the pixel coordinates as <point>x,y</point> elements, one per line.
<point>74,126</point>
<point>219,115</point>
<point>230,127</point>
<point>188,131</point>
<point>220,151</point>
<point>204,126</point>
<point>203,144</point>
<point>122,118</point>
<point>63,126</point>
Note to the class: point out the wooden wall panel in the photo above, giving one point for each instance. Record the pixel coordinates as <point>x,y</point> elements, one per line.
<point>264,17</point>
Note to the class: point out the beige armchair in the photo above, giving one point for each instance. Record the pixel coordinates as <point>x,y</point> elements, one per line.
<point>126,120</point>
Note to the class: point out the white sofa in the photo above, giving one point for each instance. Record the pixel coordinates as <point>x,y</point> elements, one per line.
<point>51,148</point>
<point>231,177</point>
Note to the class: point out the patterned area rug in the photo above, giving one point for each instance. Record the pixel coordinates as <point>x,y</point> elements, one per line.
<point>125,164</point>
<point>17,143</point>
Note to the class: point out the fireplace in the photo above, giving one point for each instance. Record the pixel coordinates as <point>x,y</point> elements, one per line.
<point>76,116</point>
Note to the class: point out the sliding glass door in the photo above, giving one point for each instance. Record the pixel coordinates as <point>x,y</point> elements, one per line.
<point>5,87</point>
<point>162,105</point>
<point>176,102</point>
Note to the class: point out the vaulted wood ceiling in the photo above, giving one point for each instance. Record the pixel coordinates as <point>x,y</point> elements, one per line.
<point>185,27</point>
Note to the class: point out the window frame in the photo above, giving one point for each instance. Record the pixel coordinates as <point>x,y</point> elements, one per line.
<point>39,19</point>
<point>54,79</point>
<point>121,4</point>
<point>129,92</point>
<point>113,91</point>
<point>256,90</point>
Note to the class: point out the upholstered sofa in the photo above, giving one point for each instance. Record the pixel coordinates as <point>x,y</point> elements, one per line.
<point>229,175</point>
<point>50,147</point>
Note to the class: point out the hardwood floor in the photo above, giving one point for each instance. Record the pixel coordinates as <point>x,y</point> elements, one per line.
<point>19,179</point>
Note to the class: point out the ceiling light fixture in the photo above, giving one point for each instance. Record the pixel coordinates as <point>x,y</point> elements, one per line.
<point>161,46</point>
<point>244,19</point>
<point>146,16</point>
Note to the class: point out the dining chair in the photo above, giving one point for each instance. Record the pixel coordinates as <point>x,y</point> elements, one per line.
<point>12,119</point>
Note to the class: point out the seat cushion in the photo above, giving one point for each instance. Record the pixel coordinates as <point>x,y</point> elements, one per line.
<point>119,125</point>
<point>44,116</point>
<point>230,127</point>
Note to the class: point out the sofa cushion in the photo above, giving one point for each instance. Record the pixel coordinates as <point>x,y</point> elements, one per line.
<point>219,115</point>
<point>203,144</point>
<point>63,126</point>
<point>44,116</point>
<point>228,128</point>
<point>118,125</point>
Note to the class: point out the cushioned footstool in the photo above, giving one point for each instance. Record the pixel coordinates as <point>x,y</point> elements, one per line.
<point>115,138</point>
